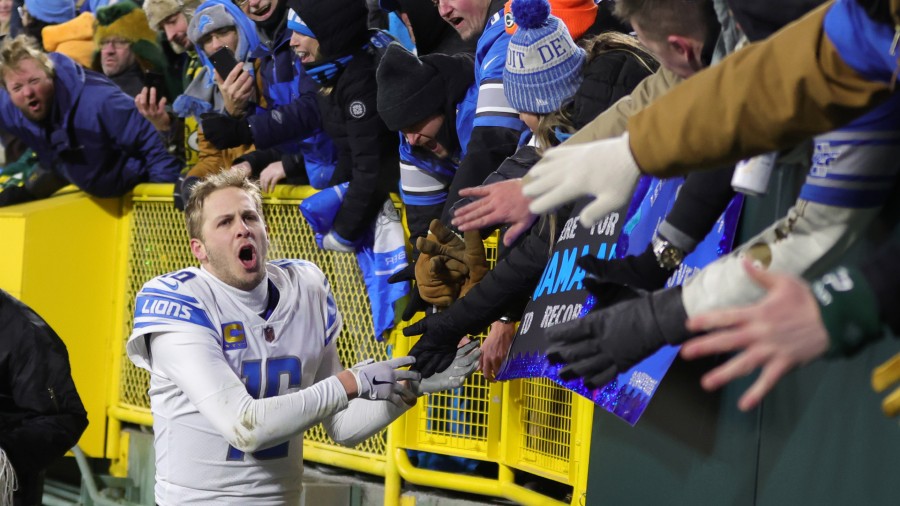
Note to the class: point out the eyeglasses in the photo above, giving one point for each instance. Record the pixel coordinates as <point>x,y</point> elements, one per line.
<point>116,43</point>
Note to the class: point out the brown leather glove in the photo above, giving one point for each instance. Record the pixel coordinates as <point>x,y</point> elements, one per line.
<point>465,259</point>
<point>438,285</point>
<point>439,275</point>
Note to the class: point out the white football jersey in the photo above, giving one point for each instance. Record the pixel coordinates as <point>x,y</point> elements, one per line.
<point>280,355</point>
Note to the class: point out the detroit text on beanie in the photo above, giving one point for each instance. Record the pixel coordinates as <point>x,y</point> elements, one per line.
<point>543,63</point>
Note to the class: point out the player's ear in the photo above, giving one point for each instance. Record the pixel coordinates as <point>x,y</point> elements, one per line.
<point>198,249</point>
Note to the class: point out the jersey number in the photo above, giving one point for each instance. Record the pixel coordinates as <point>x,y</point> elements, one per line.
<point>251,374</point>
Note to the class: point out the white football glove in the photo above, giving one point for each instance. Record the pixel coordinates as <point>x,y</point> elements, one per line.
<point>379,381</point>
<point>605,169</point>
<point>465,363</point>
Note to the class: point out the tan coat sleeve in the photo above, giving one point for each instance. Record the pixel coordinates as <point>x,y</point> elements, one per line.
<point>211,160</point>
<point>767,96</point>
<point>612,122</point>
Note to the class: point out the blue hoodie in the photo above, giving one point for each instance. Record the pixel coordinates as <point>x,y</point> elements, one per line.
<point>94,136</point>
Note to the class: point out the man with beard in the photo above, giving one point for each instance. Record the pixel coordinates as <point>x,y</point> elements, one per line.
<point>127,49</point>
<point>84,130</point>
<point>171,17</point>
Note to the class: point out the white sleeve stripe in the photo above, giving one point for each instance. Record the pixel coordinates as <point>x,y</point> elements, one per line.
<point>420,189</point>
<point>505,110</point>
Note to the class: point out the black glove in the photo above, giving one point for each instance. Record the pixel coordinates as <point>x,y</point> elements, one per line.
<point>605,343</point>
<point>225,132</point>
<point>415,304</point>
<point>436,348</point>
<point>640,271</point>
<point>608,294</point>
<point>407,273</point>
<point>15,195</point>
<point>183,188</point>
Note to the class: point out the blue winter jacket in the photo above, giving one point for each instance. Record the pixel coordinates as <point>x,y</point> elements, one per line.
<point>291,121</point>
<point>424,177</point>
<point>94,137</point>
<point>496,128</point>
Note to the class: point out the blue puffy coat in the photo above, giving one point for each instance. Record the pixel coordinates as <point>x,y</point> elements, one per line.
<point>95,138</point>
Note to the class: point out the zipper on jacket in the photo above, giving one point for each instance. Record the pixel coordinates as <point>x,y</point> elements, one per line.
<point>893,52</point>
<point>53,398</point>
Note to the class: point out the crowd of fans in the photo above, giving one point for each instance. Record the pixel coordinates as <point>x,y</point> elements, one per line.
<point>520,115</point>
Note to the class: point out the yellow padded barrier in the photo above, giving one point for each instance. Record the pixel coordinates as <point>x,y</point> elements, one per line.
<point>59,256</point>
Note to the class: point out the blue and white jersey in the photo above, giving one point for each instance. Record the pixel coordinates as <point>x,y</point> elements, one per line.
<point>424,178</point>
<point>282,354</point>
<point>856,166</point>
<point>493,110</point>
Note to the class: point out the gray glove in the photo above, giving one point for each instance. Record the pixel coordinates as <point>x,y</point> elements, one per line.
<point>379,380</point>
<point>465,363</point>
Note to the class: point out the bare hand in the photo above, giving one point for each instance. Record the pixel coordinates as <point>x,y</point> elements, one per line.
<point>781,331</point>
<point>501,202</point>
<point>236,88</point>
<point>244,167</point>
<point>154,111</point>
<point>271,175</point>
<point>495,347</point>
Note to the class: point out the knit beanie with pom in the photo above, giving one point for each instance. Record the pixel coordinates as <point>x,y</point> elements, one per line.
<point>543,64</point>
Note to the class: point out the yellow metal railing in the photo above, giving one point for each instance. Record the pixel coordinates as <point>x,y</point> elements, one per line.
<point>532,425</point>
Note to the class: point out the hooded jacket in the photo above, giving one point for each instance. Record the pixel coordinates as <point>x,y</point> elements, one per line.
<point>94,136</point>
<point>367,151</point>
<point>290,111</point>
<point>202,95</point>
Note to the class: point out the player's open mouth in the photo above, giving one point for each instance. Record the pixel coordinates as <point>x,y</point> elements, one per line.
<point>34,105</point>
<point>247,256</point>
<point>455,22</point>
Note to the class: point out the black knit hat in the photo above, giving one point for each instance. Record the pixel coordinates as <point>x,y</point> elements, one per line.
<point>409,90</point>
<point>339,25</point>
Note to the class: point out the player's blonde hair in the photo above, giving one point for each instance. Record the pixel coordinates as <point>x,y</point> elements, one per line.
<point>231,178</point>
<point>22,47</point>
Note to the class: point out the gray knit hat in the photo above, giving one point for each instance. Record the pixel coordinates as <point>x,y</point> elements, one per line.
<point>211,19</point>
<point>158,10</point>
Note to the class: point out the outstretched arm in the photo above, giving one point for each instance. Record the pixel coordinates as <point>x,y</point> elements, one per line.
<point>782,331</point>
<point>194,362</point>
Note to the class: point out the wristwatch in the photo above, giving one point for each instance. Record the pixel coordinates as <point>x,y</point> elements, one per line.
<point>668,256</point>
<point>506,319</point>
